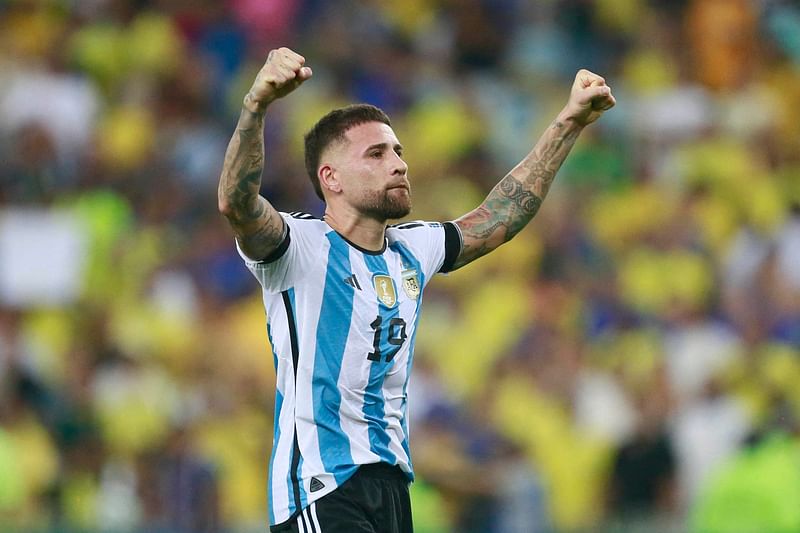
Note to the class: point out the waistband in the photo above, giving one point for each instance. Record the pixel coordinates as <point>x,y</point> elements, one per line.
<point>382,471</point>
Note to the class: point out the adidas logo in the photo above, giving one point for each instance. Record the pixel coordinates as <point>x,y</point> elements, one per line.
<point>316,485</point>
<point>300,215</point>
<point>352,281</point>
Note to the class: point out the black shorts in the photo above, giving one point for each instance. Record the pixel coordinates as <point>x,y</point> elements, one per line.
<point>374,500</point>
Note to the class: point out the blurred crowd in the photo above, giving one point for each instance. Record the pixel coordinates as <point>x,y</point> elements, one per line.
<point>631,359</point>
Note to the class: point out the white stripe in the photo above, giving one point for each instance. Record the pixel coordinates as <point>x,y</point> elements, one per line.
<point>307,513</point>
<point>313,513</point>
<point>301,523</point>
<point>307,436</point>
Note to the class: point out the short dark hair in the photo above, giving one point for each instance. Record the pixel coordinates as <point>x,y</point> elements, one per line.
<point>332,127</point>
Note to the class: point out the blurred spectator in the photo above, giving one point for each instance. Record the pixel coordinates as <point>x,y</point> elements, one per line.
<point>705,435</point>
<point>179,490</point>
<point>758,489</point>
<point>722,34</point>
<point>643,479</point>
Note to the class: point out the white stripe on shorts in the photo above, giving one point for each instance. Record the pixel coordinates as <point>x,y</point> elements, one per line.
<point>307,517</point>
<point>313,512</point>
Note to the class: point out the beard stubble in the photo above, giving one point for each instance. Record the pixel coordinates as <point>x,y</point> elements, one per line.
<point>387,204</point>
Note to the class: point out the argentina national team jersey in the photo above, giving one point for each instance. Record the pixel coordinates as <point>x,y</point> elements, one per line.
<point>342,323</point>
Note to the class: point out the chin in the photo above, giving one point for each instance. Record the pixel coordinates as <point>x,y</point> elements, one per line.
<point>388,212</point>
<point>395,211</point>
<point>387,206</point>
<point>399,209</point>
<point>400,205</point>
<point>399,214</point>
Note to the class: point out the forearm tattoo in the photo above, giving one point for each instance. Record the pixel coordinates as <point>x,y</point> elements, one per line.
<point>516,199</point>
<point>258,227</point>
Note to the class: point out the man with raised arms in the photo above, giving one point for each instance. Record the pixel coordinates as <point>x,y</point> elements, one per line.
<point>343,293</point>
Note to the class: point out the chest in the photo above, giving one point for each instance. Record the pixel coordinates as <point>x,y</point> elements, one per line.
<point>381,296</point>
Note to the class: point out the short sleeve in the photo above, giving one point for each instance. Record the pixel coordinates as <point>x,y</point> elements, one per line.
<point>291,259</point>
<point>435,245</point>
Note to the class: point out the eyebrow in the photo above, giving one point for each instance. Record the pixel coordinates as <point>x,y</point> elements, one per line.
<point>383,146</point>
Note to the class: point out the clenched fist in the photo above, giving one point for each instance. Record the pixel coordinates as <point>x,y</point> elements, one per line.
<point>282,73</point>
<point>589,98</point>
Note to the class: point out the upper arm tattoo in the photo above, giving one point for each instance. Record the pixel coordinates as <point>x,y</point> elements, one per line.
<point>269,230</point>
<point>258,226</point>
<point>516,199</point>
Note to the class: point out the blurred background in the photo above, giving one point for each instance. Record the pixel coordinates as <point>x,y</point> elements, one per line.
<point>630,362</point>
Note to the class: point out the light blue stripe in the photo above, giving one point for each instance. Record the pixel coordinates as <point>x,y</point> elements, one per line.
<point>374,404</point>
<point>276,436</point>
<point>332,331</point>
<point>410,260</point>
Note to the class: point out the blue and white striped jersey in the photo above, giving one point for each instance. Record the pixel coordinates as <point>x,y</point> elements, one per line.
<point>342,323</point>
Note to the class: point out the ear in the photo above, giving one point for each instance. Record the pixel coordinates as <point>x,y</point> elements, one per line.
<point>329,179</point>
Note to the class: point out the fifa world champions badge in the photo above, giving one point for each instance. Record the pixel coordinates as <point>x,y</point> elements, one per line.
<point>384,289</point>
<point>410,283</point>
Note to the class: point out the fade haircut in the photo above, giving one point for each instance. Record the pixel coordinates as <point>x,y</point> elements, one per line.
<point>332,127</point>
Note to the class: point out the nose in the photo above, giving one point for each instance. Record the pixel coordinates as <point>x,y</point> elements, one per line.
<point>400,167</point>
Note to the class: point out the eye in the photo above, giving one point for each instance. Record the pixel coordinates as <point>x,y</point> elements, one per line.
<point>376,154</point>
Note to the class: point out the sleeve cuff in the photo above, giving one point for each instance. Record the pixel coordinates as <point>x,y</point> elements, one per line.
<point>278,252</point>
<point>452,246</point>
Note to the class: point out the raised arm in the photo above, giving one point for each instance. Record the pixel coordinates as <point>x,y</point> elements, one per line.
<point>257,225</point>
<point>517,197</point>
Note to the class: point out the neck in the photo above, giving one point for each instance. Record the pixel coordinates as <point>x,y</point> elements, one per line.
<point>367,233</point>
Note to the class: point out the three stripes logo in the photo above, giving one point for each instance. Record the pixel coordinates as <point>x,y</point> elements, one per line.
<point>352,281</point>
<point>301,216</point>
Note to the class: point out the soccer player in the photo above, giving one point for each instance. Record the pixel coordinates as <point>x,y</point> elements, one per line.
<point>343,293</point>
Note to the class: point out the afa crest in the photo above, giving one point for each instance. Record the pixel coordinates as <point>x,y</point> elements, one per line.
<point>411,283</point>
